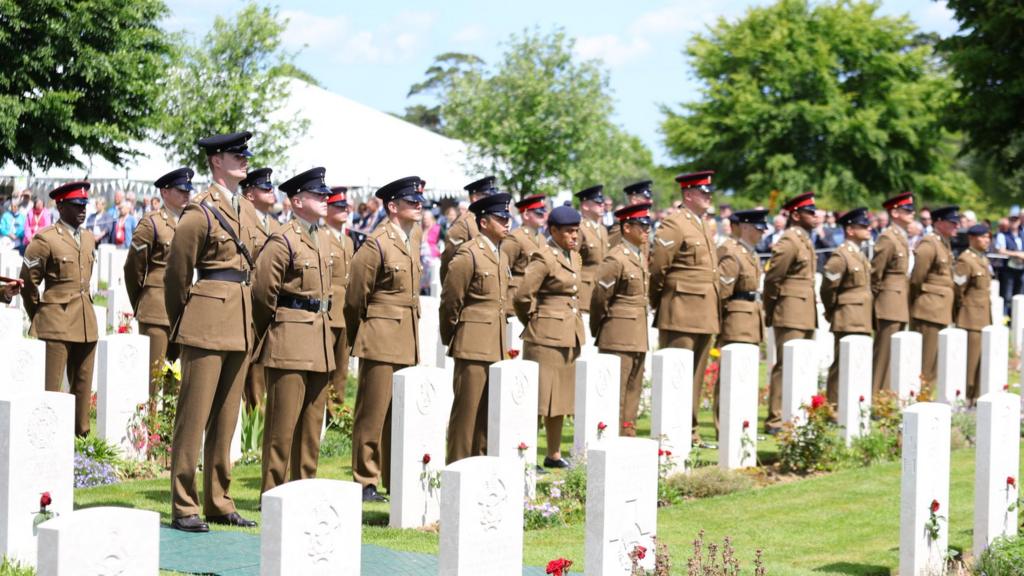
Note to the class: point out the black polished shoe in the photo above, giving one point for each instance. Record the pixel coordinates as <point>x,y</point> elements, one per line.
<point>231,519</point>
<point>559,463</point>
<point>370,494</point>
<point>190,524</point>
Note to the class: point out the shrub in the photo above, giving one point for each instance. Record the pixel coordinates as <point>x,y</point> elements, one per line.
<point>1005,557</point>
<point>875,447</point>
<point>708,482</point>
<point>97,449</point>
<point>814,446</point>
<point>10,567</point>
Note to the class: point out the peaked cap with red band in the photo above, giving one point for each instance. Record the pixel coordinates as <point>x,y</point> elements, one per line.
<point>534,202</point>
<point>73,192</point>
<point>338,196</point>
<point>904,200</point>
<point>641,212</point>
<point>696,179</point>
<point>803,201</point>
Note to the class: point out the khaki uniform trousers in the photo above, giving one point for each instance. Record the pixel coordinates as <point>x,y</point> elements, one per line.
<point>78,360</point>
<point>973,365</point>
<point>371,434</point>
<point>254,391</point>
<point>338,377</point>
<point>700,344</point>
<point>209,401</point>
<point>631,384</point>
<point>832,384</point>
<point>295,418</point>
<point>884,329</point>
<point>929,348</point>
<point>467,426</point>
<point>782,335</point>
<point>158,338</point>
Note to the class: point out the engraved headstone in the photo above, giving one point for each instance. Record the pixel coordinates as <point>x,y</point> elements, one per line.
<point>671,402</point>
<point>420,408</point>
<point>123,367</point>
<point>799,378</point>
<point>952,385</point>
<point>103,252</point>
<point>22,366</point>
<point>905,364</point>
<point>481,518</point>
<point>997,469</point>
<point>101,541</point>
<point>37,449</point>
<point>995,359</point>
<point>597,400</point>
<point>512,416</point>
<point>924,492</point>
<point>12,324</point>
<point>854,408</point>
<point>622,505</point>
<point>312,527</point>
<point>737,411</point>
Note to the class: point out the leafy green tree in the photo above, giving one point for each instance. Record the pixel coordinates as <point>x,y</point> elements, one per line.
<point>439,79</point>
<point>985,57</point>
<point>541,120</point>
<point>236,78</point>
<point>826,96</point>
<point>76,73</point>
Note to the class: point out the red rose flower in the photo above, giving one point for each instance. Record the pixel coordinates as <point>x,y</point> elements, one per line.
<point>746,424</point>
<point>426,459</point>
<point>513,353</point>
<point>601,426</point>
<point>45,500</point>
<point>640,552</point>
<point>522,446</point>
<point>861,399</point>
<point>958,393</point>
<point>668,453</point>
<point>558,567</point>
<point>817,401</point>
<point>912,394</point>
<point>935,506</point>
<point>627,424</point>
<point>1011,481</point>
<point>1006,386</point>
<point>661,452</point>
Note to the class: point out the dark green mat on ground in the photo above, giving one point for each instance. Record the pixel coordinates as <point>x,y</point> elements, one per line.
<point>227,553</point>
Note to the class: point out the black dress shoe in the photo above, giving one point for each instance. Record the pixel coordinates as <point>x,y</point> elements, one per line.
<point>560,463</point>
<point>190,524</point>
<point>370,494</point>
<point>231,519</point>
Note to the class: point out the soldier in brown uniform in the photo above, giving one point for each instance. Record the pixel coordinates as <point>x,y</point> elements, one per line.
<point>931,287</point>
<point>341,256</point>
<point>258,189</point>
<point>636,193</point>
<point>381,317</point>
<point>62,256</point>
<point>890,284</point>
<point>684,280</point>
<point>618,309</point>
<point>972,276</point>
<point>740,277</point>
<point>291,295</point>
<point>473,315</point>
<point>147,259</point>
<point>593,240</point>
<point>464,228</point>
<point>789,305</point>
<point>212,321</point>
<point>547,303</point>
<point>522,242</point>
<point>846,289</point>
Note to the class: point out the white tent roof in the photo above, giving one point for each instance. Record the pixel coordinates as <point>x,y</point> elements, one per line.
<point>359,146</point>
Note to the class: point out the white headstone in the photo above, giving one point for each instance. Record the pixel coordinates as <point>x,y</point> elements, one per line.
<point>826,341</point>
<point>1017,322</point>
<point>37,452</point>
<point>737,407</point>
<point>905,364</point>
<point>481,518</point>
<point>103,256</point>
<point>12,324</point>
<point>116,259</point>
<point>924,485</point>
<point>515,333</point>
<point>312,527</point>
<point>799,378</point>
<point>952,384</point>
<point>435,279</point>
<point>235,451</point>
<point>769,346</point>
<point>652,346</point>
<point>997,469</point>
<point>430,333</point>
<point>123,368</point>
<point>597,401</point>
<point>995,359</point>
<point>997,303</point>
<point>101,319</point>
<point>512,416</point>
<point>622,505</point>
<point>420,407</point>
<point>104,540</point>
<point>672,402</point>
<point>855,362</point>
<point>117,306</point>
<point>22,366</point>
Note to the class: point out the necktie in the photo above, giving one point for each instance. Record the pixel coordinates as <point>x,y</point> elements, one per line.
<point>312,236</point>
<point>234,203</point>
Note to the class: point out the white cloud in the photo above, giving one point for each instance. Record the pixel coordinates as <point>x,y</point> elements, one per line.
<point>313,30</point>
<point>468,34</point>
<point>338,39</point>
<point>676,17</point>
<point>611,49</point>
<point>935,17</point>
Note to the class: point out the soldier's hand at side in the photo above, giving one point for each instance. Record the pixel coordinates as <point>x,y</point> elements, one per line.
<point>12,288</point>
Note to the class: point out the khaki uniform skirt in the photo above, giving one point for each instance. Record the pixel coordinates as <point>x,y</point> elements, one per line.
<point>557,393</point>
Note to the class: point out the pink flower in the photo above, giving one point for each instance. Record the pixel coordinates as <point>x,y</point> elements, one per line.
<point>627,425</point>
<point>522,446</point>
<point>601,426</point>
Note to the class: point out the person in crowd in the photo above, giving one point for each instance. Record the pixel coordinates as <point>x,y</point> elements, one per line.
<point>100,222</point>
<point>931,288</point>
<point>154,203</point>
<point>522,242</point>
<point>972,276</point>
<point>463,228</point>
<point>37,218</point>
<point>1011,269</point>
<point>889,285</point>
<point>342,249</point>
<point>8,230</point>
<point>636,193</point>
<point>593,242</point>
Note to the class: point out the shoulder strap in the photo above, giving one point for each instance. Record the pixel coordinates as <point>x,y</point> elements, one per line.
<point>234,237</point>
<point>153,224</point>
<point>291,254</point>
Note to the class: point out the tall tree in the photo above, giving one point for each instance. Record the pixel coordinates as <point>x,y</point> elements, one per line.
<point>540,119</point>
<point>76,73</point>
<point>439,79</point>
<point>985,57</point>
<point>827,96</point>
<point>236,78</point>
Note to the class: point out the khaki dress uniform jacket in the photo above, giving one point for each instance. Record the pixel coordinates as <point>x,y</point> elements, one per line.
<point>846,296</point>
<point>62,315</point>
<point>291,297</point>
<point>462,230</point>
<point>740,278</point>
<point>341,250</point>
<point>684,291</point>
<point>972,277</point>
<point>519,246</point>
<point>473,318</point>
<point>255,389</point>
<point>381,320</point>
<point>144,281</point>
<point>890,286</point>
<point>618,321</point>
<point>931,298</point>
<point>547,303</point>
<point>593,248</point>
<point>789,304</point>
<point>212,321</point>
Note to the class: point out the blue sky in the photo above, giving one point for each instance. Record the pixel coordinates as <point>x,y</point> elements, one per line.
<point>373,51</point>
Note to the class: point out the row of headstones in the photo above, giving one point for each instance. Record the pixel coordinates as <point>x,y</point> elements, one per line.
<point>925,507</point>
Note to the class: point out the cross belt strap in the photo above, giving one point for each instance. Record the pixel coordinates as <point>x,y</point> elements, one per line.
<point>231,232</point>
<point>239,276</point>
<point>300,303</point>
<point>748,296</point>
